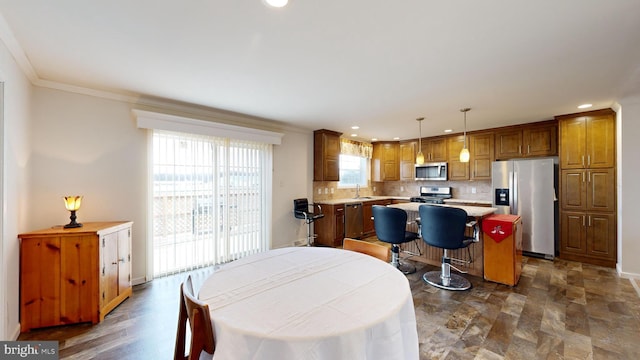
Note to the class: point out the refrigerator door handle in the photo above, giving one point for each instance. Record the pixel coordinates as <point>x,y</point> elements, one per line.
<point>514,206</point>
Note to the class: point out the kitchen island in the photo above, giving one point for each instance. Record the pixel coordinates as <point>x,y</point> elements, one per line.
<point>433,256</point>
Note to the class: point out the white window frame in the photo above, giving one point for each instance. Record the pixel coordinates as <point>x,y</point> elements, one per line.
<point>159,121</point>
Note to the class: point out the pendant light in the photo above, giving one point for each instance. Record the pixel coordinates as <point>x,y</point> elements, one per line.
<point>464,153</point>
<point>420,156</point>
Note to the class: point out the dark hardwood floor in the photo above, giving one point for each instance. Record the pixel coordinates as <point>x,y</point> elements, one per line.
<point>559,310</point>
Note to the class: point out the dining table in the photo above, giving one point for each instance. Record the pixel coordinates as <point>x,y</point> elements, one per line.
<point>311,303</point>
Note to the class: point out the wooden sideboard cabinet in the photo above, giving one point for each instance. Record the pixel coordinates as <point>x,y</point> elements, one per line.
<point>74,275</point>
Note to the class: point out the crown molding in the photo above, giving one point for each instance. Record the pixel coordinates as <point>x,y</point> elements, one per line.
<point>12,44</point>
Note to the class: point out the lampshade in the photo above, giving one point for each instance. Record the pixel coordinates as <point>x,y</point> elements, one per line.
<point>464,153</point>
<point>420,158</point>
<point>72,203</point>
<point>420,155</point>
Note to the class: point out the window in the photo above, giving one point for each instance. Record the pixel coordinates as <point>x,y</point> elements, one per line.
<point>210,200</point>
<point>353,171</point>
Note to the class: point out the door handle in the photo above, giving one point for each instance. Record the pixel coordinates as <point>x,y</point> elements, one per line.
<point>582,160</point>
<point>589,220</point>
<point>589,160</point>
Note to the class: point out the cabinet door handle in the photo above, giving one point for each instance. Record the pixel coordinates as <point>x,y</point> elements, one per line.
<point>520,149</point>
<point>589,176</point>
<point>589,160</point>
<point>583,178</point>
<point>583,220</point>
<point>589,220</point>
<point>582,160</point>
<point>528,149</point>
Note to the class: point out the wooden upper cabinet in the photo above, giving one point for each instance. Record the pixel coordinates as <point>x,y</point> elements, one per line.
<point>587,140</point>
<point>457,170</point>
<point>508,144</point>
<point>435,149</point>
<point>407,160</point>
<point>531,140</point>
<point>326,155</point>
<point>385,162</point>
<point>540,140</point>
<point>481,149</point>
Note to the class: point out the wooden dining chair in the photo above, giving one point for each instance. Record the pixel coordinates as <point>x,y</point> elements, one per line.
<point>197,313</point>
<point>376,250</point>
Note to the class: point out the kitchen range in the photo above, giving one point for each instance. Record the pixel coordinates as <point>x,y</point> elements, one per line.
<point>432,194</point>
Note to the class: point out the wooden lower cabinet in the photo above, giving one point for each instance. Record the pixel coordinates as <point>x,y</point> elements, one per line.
<point>588,236</point>
<point>330,228</point>
<point>368,227</point>
<point>75,275</point>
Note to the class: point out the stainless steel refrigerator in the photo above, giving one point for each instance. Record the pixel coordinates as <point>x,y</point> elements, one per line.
<point>528,188</point>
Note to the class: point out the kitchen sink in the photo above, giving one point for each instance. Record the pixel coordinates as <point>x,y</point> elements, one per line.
<point>363,197</point>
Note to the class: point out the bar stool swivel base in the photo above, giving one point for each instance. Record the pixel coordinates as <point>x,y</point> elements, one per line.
<point>445,279</point>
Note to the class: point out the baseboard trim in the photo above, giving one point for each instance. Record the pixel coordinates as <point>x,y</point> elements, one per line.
<point>626,275</point>
<point>138,281</point>
<point>16,332</point>
<point>635,286</point>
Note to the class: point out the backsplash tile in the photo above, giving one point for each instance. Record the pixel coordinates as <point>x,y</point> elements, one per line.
<point>468,190</point>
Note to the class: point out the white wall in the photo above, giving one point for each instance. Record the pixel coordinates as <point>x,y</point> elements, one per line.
<point>84,145</point>
<point>292,179</point>
<point>629,191</point>
<point>15,196</point>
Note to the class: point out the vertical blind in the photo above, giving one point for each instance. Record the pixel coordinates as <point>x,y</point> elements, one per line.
<point>210,200</point>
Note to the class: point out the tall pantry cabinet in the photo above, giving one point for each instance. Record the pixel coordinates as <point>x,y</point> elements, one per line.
<point>588,187</point>
<point>74,275</point>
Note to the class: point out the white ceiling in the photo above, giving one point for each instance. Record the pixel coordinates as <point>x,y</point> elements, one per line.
<point>337,63</point>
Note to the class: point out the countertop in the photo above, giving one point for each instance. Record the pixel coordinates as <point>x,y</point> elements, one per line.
<point>475,211</point>
<point>406,198</point>
<point>467,201</point>
<point>360,200</point>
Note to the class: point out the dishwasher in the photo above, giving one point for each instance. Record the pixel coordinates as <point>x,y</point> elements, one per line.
<point>353,220</point>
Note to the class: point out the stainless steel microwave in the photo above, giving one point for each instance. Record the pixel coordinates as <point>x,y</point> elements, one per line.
<point>431,171</point>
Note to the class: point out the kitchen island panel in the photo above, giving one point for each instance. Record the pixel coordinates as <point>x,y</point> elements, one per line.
<point>433,256</point>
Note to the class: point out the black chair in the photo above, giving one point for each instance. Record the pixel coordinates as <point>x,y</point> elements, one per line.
<point>445,228</point>
<point>301,211</point>
<point>391,227</point>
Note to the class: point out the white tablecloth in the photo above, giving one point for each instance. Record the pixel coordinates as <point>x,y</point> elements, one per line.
<point>311,303</point>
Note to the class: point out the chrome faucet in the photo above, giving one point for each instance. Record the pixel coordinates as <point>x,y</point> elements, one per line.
<point>357,191</point>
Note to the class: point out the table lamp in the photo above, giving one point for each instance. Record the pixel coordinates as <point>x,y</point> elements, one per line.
<point>72,203</point>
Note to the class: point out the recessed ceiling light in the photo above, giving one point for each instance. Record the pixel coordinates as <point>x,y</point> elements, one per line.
<point>585,106</point>
<point>355,127</point>
<point>354,135</point>
<point>276,3</point>
<point>448,130</point>
<point>396,138</point>
<point>374,139</point>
